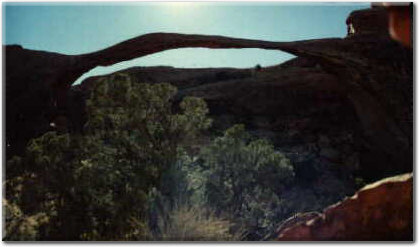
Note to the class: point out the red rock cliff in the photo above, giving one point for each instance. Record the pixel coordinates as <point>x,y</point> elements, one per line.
<point>381,211</point>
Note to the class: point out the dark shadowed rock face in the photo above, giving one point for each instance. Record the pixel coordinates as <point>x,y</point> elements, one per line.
<point>31,93</point>
<point>381,211</point>
<point>372,21</point>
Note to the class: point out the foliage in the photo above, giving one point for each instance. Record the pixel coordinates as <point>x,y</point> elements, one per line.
<point>129,176</point>
<point>19,226</point>
<point>359,182</point>
<point>245,178</point>
<point>196,224</point>
<point>94,185</point>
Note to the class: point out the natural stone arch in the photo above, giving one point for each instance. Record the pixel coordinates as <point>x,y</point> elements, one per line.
<point>341,57</point>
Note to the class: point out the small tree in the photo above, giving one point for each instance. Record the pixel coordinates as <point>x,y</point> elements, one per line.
<point>94,186</point>
<point>245,177</point>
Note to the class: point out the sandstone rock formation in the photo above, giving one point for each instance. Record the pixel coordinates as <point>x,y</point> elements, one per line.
<point>373,72</point>
<point>381,211</point>
<point>369,21</point>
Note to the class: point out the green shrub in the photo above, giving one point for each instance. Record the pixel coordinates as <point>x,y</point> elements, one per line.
<point>245,178</point>
<point>94,186</point>
<point>19,226</point>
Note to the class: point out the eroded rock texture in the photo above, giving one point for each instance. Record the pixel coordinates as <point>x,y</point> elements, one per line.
<point>381,211</point>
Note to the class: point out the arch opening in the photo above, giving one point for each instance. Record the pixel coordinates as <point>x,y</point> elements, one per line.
<point>195,58</point>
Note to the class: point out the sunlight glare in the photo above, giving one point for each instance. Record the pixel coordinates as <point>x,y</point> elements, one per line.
<point>181,6</point>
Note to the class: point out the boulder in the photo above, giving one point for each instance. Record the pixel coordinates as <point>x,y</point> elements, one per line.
<point>382,211</point>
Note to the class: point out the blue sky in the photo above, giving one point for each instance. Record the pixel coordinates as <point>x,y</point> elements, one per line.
<point>75,28</point>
